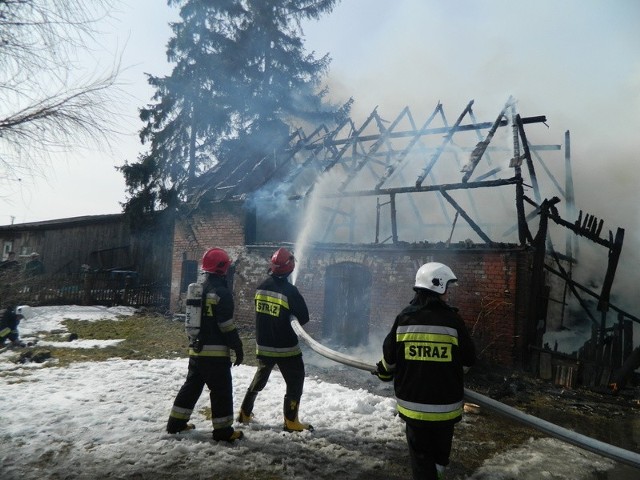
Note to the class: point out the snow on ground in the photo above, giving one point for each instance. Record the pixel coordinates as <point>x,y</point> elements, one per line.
<point>107,420</point>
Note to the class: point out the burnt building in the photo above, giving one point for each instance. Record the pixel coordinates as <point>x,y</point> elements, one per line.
<point>363,206</point>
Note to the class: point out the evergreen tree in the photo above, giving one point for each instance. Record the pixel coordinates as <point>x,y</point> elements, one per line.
<point>241,77</point>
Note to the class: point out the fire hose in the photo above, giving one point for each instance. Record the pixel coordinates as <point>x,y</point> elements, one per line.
<point>606,450</point>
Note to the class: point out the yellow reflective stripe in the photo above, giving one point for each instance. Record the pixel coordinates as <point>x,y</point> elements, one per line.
<point>222,421</point>
<point>426,337</point>
<point>427,329</point>
<point>210,302</point>
<point>227,326</point>
<point>5,331</point>
<point>430,416</point>
<point>180,413</point>
<point>193,353</point>
<point>272,297</point>
<point>429,412</point>
<point>210,351</point>
<point>389,367</point>
<point>278,352</point>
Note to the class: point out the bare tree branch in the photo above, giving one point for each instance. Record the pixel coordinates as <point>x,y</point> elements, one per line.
<point>45,106</point>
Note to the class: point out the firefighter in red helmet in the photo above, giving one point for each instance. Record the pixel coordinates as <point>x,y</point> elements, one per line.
<point>425,354</point>
<point>276,301</point>
<point>212,334</point>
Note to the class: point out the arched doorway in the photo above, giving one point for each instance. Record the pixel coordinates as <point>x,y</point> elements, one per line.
<point>346,304</point>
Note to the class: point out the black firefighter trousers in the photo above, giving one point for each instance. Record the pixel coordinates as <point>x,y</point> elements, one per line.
<point>292,370</point>
<point>429,444</point>
<point>215,373</point>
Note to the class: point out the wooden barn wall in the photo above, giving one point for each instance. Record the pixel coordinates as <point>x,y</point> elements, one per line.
<point>152,248</point>
<point>64,248</point>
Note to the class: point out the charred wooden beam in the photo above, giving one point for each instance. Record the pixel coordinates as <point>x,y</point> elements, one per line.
<point>566,277</point>
<point>523,230</point>
<point>445,142</point>
<point>453,226</point>
<point>588,228</point>
<point>481,147</point>
<point>536,321</point>
<point>570,210</point>
<point>530,216</point>
<point>612,265</point>
<point>378,208</point>
<point>374,148</point>
<point>524,234</point>
<point>353,138</point>
<point>527,156</point>
<point>591,293</point>
<point>405,152</point>
<point>446,130</point>
<point>428,188</point>
<point>394,224</point>
<point>464,215</point>
<point>533,149</point>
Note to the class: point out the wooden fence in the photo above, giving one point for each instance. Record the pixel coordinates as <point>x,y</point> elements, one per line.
<point>90,288</point>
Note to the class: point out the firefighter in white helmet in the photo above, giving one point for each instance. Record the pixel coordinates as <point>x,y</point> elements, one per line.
<point>276,301</point>
<point>211,337</point>
<point>425,354</point>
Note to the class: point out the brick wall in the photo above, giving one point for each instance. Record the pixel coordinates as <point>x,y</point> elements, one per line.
<point>197,233</point>
<point>491,293</point>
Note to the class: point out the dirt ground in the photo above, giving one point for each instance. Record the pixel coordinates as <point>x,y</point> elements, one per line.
<point>599,415</point>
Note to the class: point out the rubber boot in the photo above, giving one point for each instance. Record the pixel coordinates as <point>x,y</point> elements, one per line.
<point>245,415</point>
<point>227,434</point>
<point>175,425</point>
<point>291,422</point>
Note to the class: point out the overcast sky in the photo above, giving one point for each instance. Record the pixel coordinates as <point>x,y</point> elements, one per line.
<point>577,62</point>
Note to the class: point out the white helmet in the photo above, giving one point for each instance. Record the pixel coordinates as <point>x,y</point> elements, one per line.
<point>25,311</point>
<point>434,276</point>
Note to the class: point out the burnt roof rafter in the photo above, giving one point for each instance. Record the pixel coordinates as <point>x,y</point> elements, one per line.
<point>423,188</point>
<point>403,155</point>
<point>481,147</point>
<point>379,158</point>
<point>382,140</point>
<point>447,139</point>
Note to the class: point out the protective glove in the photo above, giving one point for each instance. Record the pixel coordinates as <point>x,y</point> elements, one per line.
<point>239,356</point>
<point>382,373</point>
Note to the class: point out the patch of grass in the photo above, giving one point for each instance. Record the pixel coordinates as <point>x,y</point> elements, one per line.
<point>144,337</point>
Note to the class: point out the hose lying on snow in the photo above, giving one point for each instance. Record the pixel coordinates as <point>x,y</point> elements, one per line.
<point>615,453</point>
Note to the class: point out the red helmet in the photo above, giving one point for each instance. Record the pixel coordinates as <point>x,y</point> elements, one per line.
<point>282,262</point>
<point>216,261</point>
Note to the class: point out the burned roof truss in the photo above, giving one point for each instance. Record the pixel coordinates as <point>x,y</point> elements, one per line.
<point>398,163</point>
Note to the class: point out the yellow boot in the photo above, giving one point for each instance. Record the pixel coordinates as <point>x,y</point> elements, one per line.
<point>291,422</point>
<point>244,417</point>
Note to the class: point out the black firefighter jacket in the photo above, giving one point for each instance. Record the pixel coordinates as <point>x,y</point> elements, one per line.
<point>218,331</point>
<point>425,350</point>
<point>276,301</point>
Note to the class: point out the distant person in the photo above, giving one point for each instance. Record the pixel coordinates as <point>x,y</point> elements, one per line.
<point>211,339</point>
<point>425,354</point>
<point>276,301</point>
<point>9,320</point>
<point>10,264</point>
<point>34,266</point>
